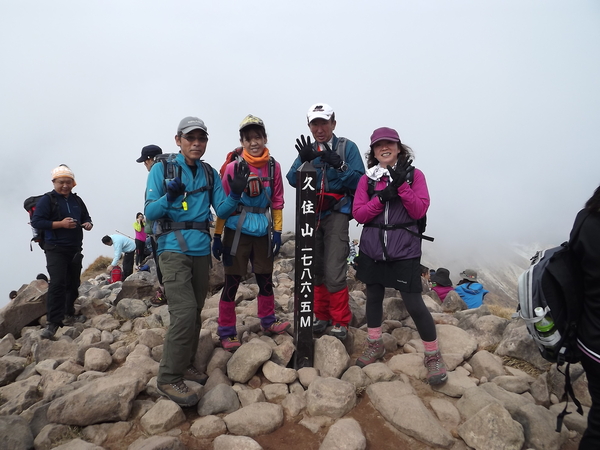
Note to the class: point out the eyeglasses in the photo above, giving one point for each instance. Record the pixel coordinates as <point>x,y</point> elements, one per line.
<point>191,139</point>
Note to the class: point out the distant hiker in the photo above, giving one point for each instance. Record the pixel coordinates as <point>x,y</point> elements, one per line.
<point>63,216</point>
<point>353,251</point>
<point>425,279</point>
<point>140,238</point>
<point>252,233</point>
<point>470,290</point>
<point>122,245</point>
<point>41,276</point>
<point>149,157</point>
<point>441,283</point>
<point>181,208</point>
<point>12,295</point>
<point>390,247</point>
<point>339,167</point>
<point>586,248</point>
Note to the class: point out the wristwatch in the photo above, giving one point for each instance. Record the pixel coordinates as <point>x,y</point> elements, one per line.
<point>343,168</point>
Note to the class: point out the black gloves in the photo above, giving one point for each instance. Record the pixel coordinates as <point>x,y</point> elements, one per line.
<point>217,247</point>
<point>331,157</point>
<point>175,188</point>
<point>237,185</point>
<point>399,175</point>
<point>305,149</point>
<point>389,193</point>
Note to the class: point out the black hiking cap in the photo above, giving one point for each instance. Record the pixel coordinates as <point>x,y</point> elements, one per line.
<point>149,152</point>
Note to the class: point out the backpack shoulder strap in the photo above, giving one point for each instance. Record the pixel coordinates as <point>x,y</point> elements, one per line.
<point>341,148</point>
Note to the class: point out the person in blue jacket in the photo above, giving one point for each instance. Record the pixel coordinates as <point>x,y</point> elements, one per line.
<point>470,290</point>
<point>180,206</point>
<point>122,245</point>
<point>339,166</point>
<point>63,216</point>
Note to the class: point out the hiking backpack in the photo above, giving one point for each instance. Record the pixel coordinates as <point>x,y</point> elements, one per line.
<point>421,223</point>
<point>39,236</point>
<point>116,274</point>
<point>553,282</point>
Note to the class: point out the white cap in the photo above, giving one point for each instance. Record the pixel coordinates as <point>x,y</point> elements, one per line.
<point>319,111</point>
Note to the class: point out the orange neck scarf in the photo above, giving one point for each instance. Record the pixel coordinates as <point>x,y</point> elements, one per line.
<point>256,161</point>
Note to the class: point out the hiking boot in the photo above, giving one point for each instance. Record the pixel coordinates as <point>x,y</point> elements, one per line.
<point>230,343</point>
<point>339,332</point>
<point>372,353</point>
<point>436,368</point>
<point>319,326</point>
<point>278,327</point>
<point>49,331</point>
<point>72,320</point>
<point>159,298</point>
<point>179,393</point>
<point>192,374</point>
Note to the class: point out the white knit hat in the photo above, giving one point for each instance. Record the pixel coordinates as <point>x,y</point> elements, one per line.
<point>63,171</point>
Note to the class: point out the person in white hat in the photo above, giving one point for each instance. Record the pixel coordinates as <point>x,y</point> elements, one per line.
<point>63,216</point>
<point>339,166</point>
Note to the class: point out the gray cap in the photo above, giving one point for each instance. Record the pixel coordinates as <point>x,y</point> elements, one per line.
<point>188,124</point>
<point>469,274</point>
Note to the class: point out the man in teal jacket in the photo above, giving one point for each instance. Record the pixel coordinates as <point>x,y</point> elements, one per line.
<point>180,206</point>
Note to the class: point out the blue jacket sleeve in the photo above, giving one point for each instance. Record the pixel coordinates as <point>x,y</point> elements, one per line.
<point>223,205</point>
<point>156,204</point>
<point>42,216</point>
<point>291,175</point>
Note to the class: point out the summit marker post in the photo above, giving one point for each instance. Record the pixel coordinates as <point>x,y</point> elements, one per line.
<point>306,202</point>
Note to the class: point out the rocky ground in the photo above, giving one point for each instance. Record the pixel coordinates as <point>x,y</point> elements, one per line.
<point>94,385</point>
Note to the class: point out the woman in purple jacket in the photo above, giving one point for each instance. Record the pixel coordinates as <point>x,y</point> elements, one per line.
<point>389,200</point>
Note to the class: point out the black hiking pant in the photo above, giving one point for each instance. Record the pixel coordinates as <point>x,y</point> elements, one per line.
<point>64,268</point>
<point>591,437</point>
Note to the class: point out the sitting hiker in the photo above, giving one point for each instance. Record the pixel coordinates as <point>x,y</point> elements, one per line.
<point>122,244</point>
<point>470,290</point>
<point>441,283</point>
<point>425,279</point>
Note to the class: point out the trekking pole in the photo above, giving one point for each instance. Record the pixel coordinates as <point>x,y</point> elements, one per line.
<point>125,235</point>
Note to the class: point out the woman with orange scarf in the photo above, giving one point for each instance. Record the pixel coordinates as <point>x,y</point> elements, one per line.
<point>252,233</point>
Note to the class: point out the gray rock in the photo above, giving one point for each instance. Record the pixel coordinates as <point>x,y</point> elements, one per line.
<point>492,428</point>
<point>398,404</point>
<point>20,395</point>
<point>15,433</point>
<point>10,368</point>
<point>293,404</point>
<point>208,427</point>
<point>278,374</point>
<point>97,359</point>
<point>27,307</point>
<point>330,397</point>
<point>131,308</point>
<point>48,435</point>
<point>330,358</point>
<point>78,444</point>
<point>221,399</point>
<point>539,427</point>
<point>275,391</point>
<point>6,344</point>
<point>163,416</point>
<point>249,396</point>
<point>345,434</point>
<point>157,443</point>
<point>255,419</point>
<point>103,400</point>
<point>485,364</point>
<point>247,360</point>
<point>227,442</point>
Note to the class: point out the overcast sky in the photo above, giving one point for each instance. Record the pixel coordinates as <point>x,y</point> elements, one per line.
<point>499,100</point>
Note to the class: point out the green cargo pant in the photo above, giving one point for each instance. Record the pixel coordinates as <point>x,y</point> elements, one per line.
<point>186,284</point>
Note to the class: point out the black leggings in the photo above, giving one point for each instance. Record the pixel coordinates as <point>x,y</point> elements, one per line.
<point>414,304</point>
<point>140,246</point>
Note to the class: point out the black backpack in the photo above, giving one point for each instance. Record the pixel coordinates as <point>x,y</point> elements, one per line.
<point>30,203</point>
<point>553,282</point>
